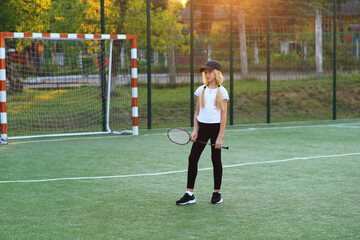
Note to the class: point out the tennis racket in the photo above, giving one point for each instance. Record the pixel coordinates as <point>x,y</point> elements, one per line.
<point>182,137</point>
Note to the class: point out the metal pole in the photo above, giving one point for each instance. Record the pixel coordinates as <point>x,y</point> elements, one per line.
<point>334,59</point>
<point>109,89</point>
<point>231,64</point>
<point>268,63</point>
<point>148,62</point>
<point>102,68</point>
<point>192,62</point>
<point>357,51</point>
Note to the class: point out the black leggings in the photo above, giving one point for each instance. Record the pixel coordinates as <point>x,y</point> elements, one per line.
<point>205,132</point>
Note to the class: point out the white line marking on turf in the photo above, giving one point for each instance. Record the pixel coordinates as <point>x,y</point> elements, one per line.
<point>69,138</point>
<point>349,125</point>
<point>291,159</point>
<point>179,171</point>
<point>343,126</point>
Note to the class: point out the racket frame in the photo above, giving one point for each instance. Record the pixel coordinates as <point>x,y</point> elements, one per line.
<point>211,144</point>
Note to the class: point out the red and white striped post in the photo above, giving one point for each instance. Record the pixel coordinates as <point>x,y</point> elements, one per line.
<point>65,36</point>
<point>134,89</point>
<point>3,115</point>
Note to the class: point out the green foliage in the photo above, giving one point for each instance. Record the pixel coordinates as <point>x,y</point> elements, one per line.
<point>67,16</point>
<point>30,15</point>
<point>8,20</point>
<point>165,26</point>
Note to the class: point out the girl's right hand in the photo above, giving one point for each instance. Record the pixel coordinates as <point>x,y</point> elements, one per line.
<point>193,136</point>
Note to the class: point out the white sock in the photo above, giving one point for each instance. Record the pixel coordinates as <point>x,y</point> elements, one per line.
<point>190,193</point>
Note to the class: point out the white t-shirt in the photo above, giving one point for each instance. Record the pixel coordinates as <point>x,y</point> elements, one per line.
<point>210,113</point>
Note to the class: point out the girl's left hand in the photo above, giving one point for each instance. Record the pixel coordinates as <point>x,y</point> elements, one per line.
<point>218,144</point>
<point>193,136</point>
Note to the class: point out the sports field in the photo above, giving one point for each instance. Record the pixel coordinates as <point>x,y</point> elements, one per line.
<point>280,182</point>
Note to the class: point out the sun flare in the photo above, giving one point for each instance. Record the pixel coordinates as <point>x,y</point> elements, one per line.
<point>183,2</point>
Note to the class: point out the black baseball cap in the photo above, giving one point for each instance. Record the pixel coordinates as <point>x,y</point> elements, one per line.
<point>211,65</point>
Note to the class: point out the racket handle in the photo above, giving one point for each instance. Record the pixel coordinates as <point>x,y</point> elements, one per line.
<point>223,147</point>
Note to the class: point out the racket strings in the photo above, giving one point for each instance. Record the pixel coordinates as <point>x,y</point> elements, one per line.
<point>179,136</point>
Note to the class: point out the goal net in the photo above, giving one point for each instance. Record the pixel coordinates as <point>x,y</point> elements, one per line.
<point>67,84</point>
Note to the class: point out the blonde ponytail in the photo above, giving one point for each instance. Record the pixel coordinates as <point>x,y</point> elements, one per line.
<point>202,98</point>
<point>219,101</point>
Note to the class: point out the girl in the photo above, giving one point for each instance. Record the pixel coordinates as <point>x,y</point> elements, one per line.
<point>209,123</point>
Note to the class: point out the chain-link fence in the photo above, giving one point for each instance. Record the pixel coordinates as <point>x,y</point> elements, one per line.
<point>278,56</point>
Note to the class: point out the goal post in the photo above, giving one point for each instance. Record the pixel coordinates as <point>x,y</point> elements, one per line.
<point>59,84</point>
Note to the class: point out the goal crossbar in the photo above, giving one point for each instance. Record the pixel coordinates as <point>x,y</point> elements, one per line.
<point>65,36</point>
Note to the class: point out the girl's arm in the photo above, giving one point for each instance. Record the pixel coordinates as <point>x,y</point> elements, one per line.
<point>194,134</point>
<point>218,143</point>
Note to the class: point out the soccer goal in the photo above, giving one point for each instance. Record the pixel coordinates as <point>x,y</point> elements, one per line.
<point>54,84</point>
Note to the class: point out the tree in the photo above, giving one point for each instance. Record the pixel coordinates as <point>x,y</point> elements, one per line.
<point>166,29</point>
<point>280,9</point>
<point>170,32</point>
<point>242,42</point>
<point>82,16</point>
<point>31,15</point>
<point>67,16</point>
<point>8,20</point>
<point>207,8</point>
<point>119,9</point>
<point>241,9</point>
<point>318,7</point>
<point>318,41</point>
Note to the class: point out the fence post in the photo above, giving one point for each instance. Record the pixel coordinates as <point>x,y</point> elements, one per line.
<point>334,59</point>
<point>192,62</point>
<point>268,64</point>
<point>148,61</point>
<point>231,64</point>
<point>357,51</point>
